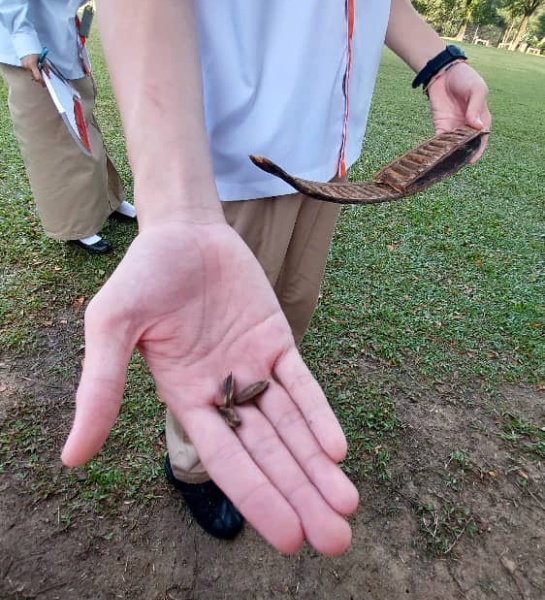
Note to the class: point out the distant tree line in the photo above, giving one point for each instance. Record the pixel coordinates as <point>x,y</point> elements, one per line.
<point>507,22</point>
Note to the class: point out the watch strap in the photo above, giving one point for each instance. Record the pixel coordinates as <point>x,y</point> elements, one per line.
<point>450,54</point>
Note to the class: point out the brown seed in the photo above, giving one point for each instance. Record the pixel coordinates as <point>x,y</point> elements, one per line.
<point>230,416</point>
<point>251,392</point>
<point>228,390</point>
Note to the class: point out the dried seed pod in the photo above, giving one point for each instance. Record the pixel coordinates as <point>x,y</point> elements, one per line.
<point>228,390</point>
<point>434,160</point>
<point>251,392</point>
<point>230,416</point>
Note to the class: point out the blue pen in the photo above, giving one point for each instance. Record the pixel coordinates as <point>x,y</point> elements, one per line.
<point>41,58</point>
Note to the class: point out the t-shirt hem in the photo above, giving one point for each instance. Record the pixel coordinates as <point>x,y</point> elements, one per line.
<point>271,186</point>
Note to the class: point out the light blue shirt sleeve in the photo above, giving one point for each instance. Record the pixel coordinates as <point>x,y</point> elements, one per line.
<point>14,17</point>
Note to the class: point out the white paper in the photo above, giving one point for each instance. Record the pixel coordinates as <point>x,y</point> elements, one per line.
<point>65,97</point>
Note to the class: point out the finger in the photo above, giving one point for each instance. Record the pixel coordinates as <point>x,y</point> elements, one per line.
<point>480,151</point>
<point>100,391</point>
<point>476,108</point>
<point>477,116</point>
<point>37,76</point>
<point>484,120</point>
<point>234,471</point>
<point>292,373</point>
<point>322,471</point>
<point>324,528</point>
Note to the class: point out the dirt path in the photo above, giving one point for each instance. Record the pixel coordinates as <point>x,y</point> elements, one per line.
<point>461,516</point>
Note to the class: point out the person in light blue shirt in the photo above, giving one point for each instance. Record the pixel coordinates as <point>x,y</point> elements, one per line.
<point>74,193</point>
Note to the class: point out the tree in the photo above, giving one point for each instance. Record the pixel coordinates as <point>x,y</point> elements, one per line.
<point>453,17</point>
<point>441,14</point>
<point>524,10</point>
<point>467,8</point>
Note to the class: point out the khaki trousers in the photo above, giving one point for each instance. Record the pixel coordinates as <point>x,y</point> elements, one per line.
<point>74,193</point>
<point>290,236</point>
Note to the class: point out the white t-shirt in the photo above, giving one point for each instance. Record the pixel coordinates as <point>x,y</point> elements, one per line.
<point>273,73</point>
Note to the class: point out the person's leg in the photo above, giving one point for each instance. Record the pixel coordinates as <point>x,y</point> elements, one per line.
<point>298,284</point>
<point>74,193</point>
<point>290,236</point>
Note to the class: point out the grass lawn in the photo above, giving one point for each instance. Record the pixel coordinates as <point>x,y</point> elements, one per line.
<point>449,285</point>
<point>446,287</point>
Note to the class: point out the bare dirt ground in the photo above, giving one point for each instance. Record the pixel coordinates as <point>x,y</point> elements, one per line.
<point>460,516</point>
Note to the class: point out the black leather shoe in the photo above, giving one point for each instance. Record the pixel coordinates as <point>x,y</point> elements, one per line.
<point>121,218</point>
<point>210,507</point>
<point>100,247</point>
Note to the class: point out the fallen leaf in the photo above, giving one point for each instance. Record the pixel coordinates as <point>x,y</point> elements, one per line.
<point>78,302</point>
<point>510,565</point>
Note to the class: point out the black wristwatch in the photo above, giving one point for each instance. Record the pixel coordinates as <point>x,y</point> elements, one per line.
<point>433,66</point>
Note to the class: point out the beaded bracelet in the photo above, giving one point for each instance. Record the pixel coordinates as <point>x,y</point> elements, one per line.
<point>440,74</point>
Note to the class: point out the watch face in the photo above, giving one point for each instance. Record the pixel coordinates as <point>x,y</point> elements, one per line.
<point>455,51</point>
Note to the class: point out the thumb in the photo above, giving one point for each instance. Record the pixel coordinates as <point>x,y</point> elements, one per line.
<point>99,394</point>
<point>474,112</point>
<point>37,75</point>
<point>30,63</point>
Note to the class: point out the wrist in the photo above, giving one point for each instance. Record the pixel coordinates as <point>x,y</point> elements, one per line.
<point>442,73</point>
<point>437,64</point>
<point>160,205</point>
<point>183,188</point>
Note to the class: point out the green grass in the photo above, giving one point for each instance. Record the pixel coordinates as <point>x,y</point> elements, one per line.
<point>449,285</point>
<point>455,277</point>
<point>527,436</point>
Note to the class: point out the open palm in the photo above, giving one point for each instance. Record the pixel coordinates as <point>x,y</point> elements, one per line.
<point>197,305</point>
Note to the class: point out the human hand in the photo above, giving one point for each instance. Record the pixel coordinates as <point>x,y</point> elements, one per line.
<point>194,301</point>
<point>458,97</point>
<point>30,63</point>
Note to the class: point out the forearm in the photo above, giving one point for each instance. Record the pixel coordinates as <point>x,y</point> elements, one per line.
<point>410,37</point>
<point>14,17</point>
<point>152,53</point>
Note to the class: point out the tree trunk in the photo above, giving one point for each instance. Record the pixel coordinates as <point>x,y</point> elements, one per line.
<point>523,28</point>
<point>462,31</point>
<point>507,33</point>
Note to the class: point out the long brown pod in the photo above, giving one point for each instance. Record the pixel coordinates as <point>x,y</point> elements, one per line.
<point>430,162</point>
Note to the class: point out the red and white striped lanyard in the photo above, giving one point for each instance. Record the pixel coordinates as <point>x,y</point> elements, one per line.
<point>350,17</point>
